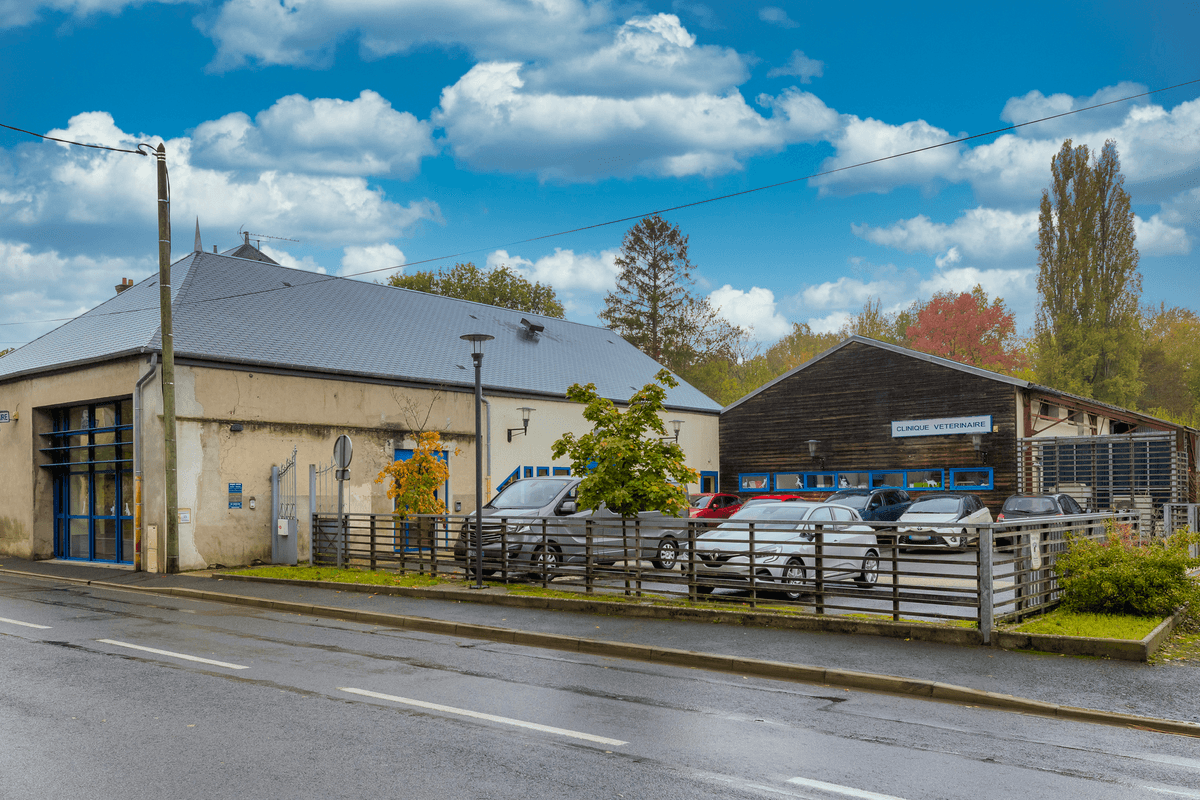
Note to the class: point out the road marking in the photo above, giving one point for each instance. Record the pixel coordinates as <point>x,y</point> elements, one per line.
<point>26,624</point>
<point>1176,792</point>
<point>843,790</point>
<point>184,656</point>
<point>462,712</point>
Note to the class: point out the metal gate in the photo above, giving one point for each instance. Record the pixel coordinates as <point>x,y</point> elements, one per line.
<point>323,541</point>
<point>1137,472</point>
<point>285,524</point>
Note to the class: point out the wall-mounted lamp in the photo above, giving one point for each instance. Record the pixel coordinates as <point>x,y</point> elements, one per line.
<point>677,424</point>
<point>524,429</point>
<point>977,440</point>
<point>812,452</point>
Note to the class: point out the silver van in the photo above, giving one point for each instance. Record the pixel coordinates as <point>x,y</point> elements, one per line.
<point>533,526</point>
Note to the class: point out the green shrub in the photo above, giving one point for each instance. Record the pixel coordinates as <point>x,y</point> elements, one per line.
<point>1125,575</point>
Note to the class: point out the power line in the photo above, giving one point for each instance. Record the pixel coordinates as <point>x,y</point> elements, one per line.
<point>622,219</point>
<point>68,141</point>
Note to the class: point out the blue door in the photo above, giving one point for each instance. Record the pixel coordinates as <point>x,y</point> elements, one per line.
<point>442,494</point>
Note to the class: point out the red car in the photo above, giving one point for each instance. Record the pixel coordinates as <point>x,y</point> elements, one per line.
<point>714,506</point>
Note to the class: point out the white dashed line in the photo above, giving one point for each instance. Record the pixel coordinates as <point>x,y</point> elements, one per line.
<point>842,790</point>
<point>462,712</point>
<point>25,624</point>
<point>170,654</point>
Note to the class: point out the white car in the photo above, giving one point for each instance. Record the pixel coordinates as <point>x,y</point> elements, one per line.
<point>943,519</point>
<point>785,547</point>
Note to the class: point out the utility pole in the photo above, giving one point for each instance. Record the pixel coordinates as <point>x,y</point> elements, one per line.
<point>168,359</point>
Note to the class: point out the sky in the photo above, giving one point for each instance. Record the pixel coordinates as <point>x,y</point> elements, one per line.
<point>351,137</point>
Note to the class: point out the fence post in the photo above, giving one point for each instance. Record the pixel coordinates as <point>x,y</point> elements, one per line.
<point>819,564</point>
<point>276,556</point>
<point>372,541</point>
<point>312,510</point>
<point>896,578</point>
<point>753,577</point>
<point>986,584</point>
<point>588,575</point>
<point>691,560</point>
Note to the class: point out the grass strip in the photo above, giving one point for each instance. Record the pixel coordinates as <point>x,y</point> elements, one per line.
<point>1101,626</point>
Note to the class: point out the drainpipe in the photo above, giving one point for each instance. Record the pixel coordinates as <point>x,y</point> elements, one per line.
<point>137,461</point>
<point>489,445</point>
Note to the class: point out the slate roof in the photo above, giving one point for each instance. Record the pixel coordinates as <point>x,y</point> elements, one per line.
<point>247,311</point>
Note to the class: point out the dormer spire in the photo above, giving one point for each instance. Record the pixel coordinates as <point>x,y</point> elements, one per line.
<point>199,247</point>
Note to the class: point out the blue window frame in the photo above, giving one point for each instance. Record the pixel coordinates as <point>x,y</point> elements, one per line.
<point>927,479</point>
<point>854,480</point>
<point>562,470</point>
<point>972,478</point>
<point>789,481</point>
<point>820,481</point>
<point>528,472</point>
<point>90,449</point>
<point>884,479</point>
<point>709,482</point>
<point>754,482</point>
<point>543,472</point>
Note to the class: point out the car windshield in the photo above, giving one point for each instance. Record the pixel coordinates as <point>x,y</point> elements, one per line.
<point>527,494</point>
<point>935,505</point>
<point>768,512</point>
<point>1030,505</point>
<point>701,500</point>
<point>858,501</point>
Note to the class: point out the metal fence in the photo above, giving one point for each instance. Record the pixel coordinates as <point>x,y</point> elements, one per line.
<point>1005,571</point>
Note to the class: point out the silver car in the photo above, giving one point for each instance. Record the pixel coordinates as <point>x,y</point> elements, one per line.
<point>943,519</point>
<point>785,537</point>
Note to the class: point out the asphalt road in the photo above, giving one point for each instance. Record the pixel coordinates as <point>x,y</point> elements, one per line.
<point>290,706</point>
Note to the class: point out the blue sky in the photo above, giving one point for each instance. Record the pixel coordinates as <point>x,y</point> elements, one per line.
<point>376,133</point>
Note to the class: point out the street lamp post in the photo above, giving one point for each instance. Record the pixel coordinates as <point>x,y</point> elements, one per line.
<point>477,340</point>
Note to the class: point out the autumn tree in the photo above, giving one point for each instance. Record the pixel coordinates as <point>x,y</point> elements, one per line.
<point>627,460</point>
<point>1087,330</point>
<point>413,482</point>
<point>500,286</point>
<point>968,328</point>
<point>653,306</point>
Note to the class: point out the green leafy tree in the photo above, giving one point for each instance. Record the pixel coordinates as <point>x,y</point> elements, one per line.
<point>1088,330</point>
<point>3,353</point>
<point>500,286</point>
<point>653,307</point>
<point>875,323</point>
<point>627,461</point>
<point>1170,364</point>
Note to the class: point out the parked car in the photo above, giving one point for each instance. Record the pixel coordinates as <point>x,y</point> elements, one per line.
<point>1026,506</point>
<point>760,499</point>
<point>714,506</point>
<point>943,519</point>
<point>784,547</point>
<point>514,518</point>
<point>874,505</point>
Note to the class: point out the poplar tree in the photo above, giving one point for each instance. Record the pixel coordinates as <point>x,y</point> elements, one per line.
<point>653,307</point>
<point>1087,332</point>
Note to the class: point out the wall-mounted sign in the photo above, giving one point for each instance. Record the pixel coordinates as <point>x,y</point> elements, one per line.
<point>4,417</point>
<point>185,516</point>
<point>947,426</point>
<point>235,495</point>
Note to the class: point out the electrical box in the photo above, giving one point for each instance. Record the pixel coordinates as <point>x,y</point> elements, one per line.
<point>281,527</point>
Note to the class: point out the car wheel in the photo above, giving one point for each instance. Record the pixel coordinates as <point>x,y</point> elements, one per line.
<point>545,561</point>
<point>793,577</point>
<point>870,569</point>
<point>668,554</point>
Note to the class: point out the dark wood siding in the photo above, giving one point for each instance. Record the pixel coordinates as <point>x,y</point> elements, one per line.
<point>848,401</point>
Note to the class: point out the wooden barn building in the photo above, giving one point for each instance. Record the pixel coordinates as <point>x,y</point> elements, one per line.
<point>869,414</point>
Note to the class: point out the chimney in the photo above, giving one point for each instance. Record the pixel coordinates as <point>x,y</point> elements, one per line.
<point>126,283</point>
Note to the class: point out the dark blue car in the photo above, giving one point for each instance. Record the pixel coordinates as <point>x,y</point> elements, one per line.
<point>884,504</point>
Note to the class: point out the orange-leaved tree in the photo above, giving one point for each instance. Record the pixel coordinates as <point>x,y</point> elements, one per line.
<point>415,481</point>
<point>970,329</point>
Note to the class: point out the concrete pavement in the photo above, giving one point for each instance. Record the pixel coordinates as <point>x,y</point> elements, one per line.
<point>1122,693</point>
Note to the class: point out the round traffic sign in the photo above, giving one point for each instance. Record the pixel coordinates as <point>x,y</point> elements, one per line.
<point>343,451</point>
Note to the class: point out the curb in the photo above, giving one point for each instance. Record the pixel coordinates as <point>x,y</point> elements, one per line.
<point>1121,649</point>
<point>776,670</point>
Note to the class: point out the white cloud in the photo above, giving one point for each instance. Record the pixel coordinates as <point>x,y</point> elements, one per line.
<point>801,66</point>
<point>44,284</point>
<point>371,258</point>
<point>830,323</point>
<point>364,136</point>
<point>307,32</point>
<point>52,193</point>
<point>755,310</point>
<point>493,123</point>
<point>15,13</point>
<point>565,270</point>
<point>1157,238</point>
<point>846,291</point>
<point>777,16</point>
<point>863,140</point>
<point>952,257</point>
<point>283,257</point>
<point>981,233</point>
<point>1036,105</point>
<point>1015,286</point>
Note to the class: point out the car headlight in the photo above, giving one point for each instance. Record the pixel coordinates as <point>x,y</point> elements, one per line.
<point>775,548</point>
